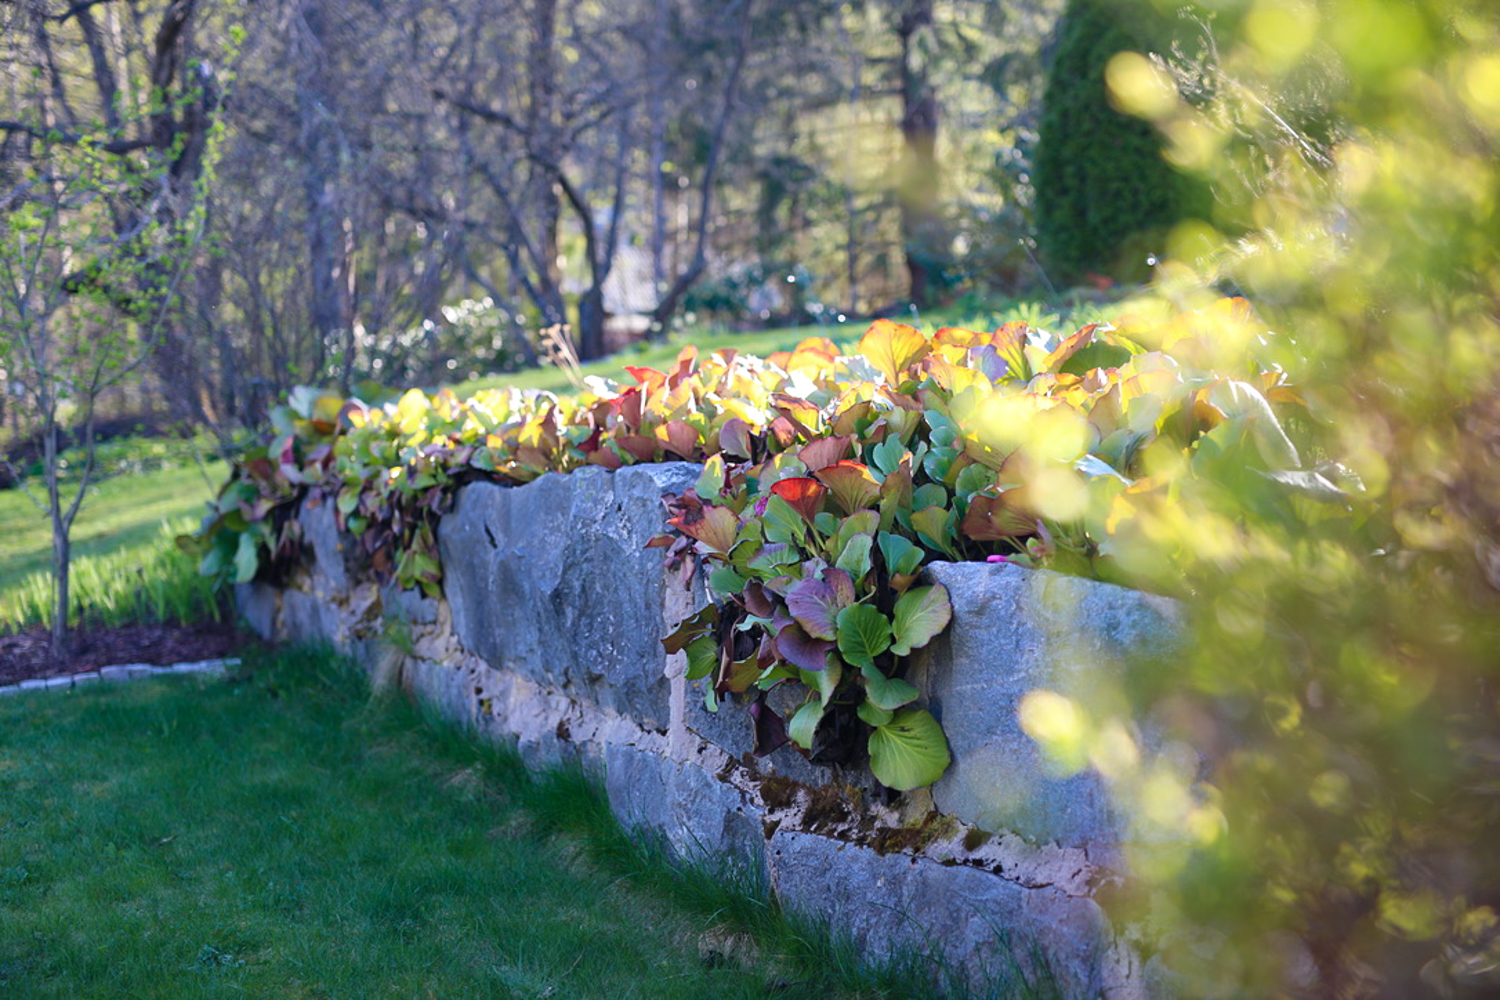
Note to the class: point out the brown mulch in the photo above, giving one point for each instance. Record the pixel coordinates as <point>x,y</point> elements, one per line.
<point>28,654</point>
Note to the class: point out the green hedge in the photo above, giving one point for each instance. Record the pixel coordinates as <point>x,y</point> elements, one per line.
<point>1104,196</point>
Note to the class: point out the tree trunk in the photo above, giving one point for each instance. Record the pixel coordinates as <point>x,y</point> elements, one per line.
<point>60,546</point>
<point>919,129</point>
<point>331,307</point>
<point>542,135</point>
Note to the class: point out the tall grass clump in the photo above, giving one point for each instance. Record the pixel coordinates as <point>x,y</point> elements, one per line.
<point>153,582</point>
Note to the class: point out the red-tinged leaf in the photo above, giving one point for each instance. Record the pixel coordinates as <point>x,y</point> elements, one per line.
<point>702,622</point>
<point>756,601</point>
<point>892,348</point>
<point>852,485</point>
<point>648,377</point>
<point>1005,516</point>
<point>605,457</point>
<point>783,430</point>
<point>659,542</point>
<point>739,675</point>
<point>849,418</point>
<point>681,438</point>
<point>1069,347</point>
<point>842,584</point>
<point>734,438</point>
<point>824,452</point>
<point>803,493</point>
<point>687,360</point>
<point>802,414</point>
<point>632,403</point>
<point>715,527</point>
<point>261,468</point>
<point>770,730</point>
<point>816,604</point>
<point>799,648</point>
<point>639,446</point>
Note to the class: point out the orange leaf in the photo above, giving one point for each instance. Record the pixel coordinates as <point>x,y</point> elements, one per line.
<point>853,487</point>
<point>892,348</point>
<point>804,494</point>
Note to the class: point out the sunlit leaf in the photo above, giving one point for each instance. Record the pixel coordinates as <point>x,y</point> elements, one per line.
<point>919,615</point>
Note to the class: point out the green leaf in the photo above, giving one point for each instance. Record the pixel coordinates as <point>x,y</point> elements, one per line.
<point>901,556</point>
<point>863,634</point>
<point>886,455</point>
<point>973,479</point>
<point>782,522</point>
<point>872,715</point>
<point>929,495</point>
<point>919,615</point>
<point>711,483</point>
<point>910,751</point>
<point>246,558</point>
<point>889,693</point>
<point>935,527</point>
<point>726,581</point>
<point>825,681</point>
<point>804,724</point>
<point>855,559</point>
<point>702,657</point>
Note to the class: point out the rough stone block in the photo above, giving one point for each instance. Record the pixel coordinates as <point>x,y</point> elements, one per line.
<point>307,619</point>
<point>971,919</point>
<point>258,604</point>
<point>552,580</point>
<point>408,605</point>
<point>445,690</point>
<point>337,557</point>
<point>1014,631</point>
<point>703,819</point>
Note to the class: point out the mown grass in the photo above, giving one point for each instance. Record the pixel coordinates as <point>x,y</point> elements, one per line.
<point>282,835</point>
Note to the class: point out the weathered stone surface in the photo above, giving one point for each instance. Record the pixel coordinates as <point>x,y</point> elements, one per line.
<point>408,605</point>
<point>308,618</point>
<point>1013,631</point>
<point>258,604</point>
<point>443,689</point>
<point>895,902</point>
<point>552,580</point>
<point>705,820</point>
<point>335,554</point>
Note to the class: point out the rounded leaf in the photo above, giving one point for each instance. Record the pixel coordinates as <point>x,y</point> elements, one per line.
<point>910,751</point>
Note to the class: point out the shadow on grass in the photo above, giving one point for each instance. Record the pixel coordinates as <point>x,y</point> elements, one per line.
<point>729,896</point>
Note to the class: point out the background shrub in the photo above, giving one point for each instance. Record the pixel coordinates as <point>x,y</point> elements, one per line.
<point>1104,196</point>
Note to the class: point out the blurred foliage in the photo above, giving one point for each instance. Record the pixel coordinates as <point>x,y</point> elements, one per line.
<point>1105,199</point>
<point>1318,816</point>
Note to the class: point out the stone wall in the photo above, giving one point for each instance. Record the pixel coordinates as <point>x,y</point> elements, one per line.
<point>547,637</point>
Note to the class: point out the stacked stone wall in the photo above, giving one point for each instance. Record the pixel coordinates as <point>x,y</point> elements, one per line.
<point>547,637</point>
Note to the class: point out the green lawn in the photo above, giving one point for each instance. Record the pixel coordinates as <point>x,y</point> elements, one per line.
<point>122,513</point>
<point>281,835</point>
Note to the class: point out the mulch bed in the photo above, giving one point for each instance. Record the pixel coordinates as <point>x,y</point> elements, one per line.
<point>26,655</point>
